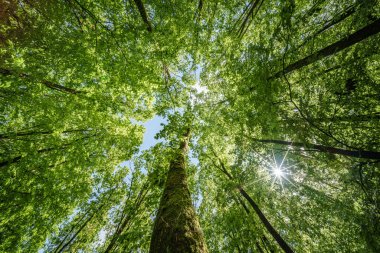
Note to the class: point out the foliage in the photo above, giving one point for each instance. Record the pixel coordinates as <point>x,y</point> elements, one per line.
<point>78,78</point>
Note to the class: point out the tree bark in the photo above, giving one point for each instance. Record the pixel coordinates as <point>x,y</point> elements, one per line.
<point>176,227</point>
<point>348,119</point>
<point>259,247</point>
<point>326,149</point>
<point>79,230</point>
<point>265,221</point>
<point>335,20</point>
<point>281,242</point>
<point>127,218</point>
<point>62,147</point>
<point>344,43</point>
<point>71,230</point>
<point>30,133</point>
<point>51,85</point>
<point>143,14</point>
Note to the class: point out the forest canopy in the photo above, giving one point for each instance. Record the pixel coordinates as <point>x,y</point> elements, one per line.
<point>270,134</point>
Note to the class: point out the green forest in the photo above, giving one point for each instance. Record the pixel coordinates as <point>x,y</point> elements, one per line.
<point>269,138</point>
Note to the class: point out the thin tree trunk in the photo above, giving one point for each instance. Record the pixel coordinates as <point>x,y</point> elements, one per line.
<point>247,16</point>
<point>176,227</point>
<point>29,133</point>
<point>71,230</point>
<point>80,229</point>
<point>259,247</point>
<point>126,219</point>
<point>352,118</point>
<point>51,85</point>
<point>281,242</point>
<point>96,211</point>
<point>352,153</point>
<point>310,13</point>
<point>268,247</point>
<point>143,14</point>
<point>239,200</point>
<point>345,14</point>
<point>265,221</point>
<point>17,158</point>
<point>344,43</point>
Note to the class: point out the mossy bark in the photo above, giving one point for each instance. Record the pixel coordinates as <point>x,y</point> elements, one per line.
<point>176,227</point>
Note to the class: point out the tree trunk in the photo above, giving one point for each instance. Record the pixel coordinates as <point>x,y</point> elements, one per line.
<point>71,230</point>
<point>335,20</point>
<point>79,230</point>
<point>49,84</point>
<point>281,242</point>
<point>326,149</point>
<point>310,13</point>
<point>126,219</point>
<point>265,221</point>
<point>143,14</point>
<point>30,133</point>
<point>344,43</point>
<point>247,16</point>
<point>44,150</point>
<point>259,248</point>
<point>348,119</point>
<point>268,247</point>
<point>176,227</point>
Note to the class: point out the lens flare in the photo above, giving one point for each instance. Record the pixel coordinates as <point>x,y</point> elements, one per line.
<point>278,172</point>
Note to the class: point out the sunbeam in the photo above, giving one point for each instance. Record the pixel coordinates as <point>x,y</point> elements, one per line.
<point>279,172</point>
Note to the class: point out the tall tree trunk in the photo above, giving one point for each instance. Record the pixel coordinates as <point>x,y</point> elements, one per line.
<point>176,227</point>
<point>327,149</point>
<point>348,119</point>
<point>126,219</point>
<point>80,229</point>
<point>344,43</point>
<point>310,13</point>
<point>247,16</point>
<point>71,230</point>
<point>259,248</point>
<point>143,14</point>
<point>265,221</point>
<point>268,247</point>
<point>335,20</point>
<point>281,242</point>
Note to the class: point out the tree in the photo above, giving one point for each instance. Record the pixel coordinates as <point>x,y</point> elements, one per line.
<point>262,217</point>
<point>176,228</point>
<point>285,94</point>
<point>332,150</point>
<point>371,29</point>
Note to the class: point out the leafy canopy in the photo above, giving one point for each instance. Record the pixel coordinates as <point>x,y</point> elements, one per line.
<point>284,94</point>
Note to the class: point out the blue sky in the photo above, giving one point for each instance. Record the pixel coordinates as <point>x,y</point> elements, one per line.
<point>152,127</point>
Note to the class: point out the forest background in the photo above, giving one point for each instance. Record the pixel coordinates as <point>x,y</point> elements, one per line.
<point>281,99</point>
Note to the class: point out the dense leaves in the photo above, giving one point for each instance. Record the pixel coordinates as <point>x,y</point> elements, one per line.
<point>282,99</point>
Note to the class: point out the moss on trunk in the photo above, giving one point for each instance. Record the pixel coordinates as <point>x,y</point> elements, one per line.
<point>176,227</point>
